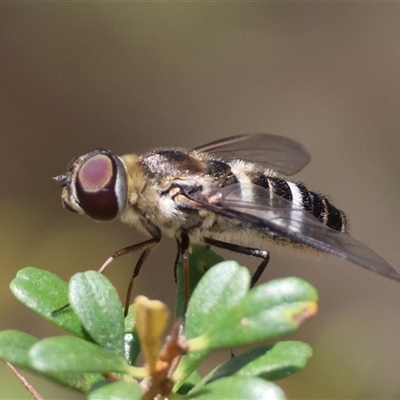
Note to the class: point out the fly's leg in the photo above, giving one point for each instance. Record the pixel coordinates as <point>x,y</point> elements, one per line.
<point>130,249</point>
<point>177,258</point>
<point>148,246</point>
<point>183,256</point>
<point>249,251</point>
<point>185,251</point>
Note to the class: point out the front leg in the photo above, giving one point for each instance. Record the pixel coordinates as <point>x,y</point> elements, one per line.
<point>147,246</point>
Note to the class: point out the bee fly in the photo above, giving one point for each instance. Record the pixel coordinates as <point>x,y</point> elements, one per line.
<point>228,194</point>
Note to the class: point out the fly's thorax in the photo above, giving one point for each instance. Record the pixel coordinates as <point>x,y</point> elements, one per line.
<point>142,196</point>
<point>158,183</point>
<point>164,165</point>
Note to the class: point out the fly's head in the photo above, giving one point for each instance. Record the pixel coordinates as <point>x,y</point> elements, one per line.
<point>96,185</point>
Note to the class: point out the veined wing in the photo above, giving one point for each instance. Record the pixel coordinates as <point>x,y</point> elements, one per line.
<point>273,214</point>
<point>277,152</point>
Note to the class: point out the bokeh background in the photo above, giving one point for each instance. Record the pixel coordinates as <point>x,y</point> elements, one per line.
<point>133,76</point>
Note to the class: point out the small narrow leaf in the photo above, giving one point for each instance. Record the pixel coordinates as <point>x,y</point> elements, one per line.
<point>76,381</point>
<point>69,354</point>
<point>131,347</point>
<point>269,310</point>
<point>222,287</point>
<point>268,362</point>
<point>45,293</point>
<point>117,390</point>
<point>15,347</point>
<point>131,338</point>
<point>284,359</point>
<point>238,388</point>
<point>97,304</point>
<point>191,381</point>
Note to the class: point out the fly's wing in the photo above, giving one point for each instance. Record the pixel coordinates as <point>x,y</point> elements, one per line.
<point>267,212</point>
<point>277,152</point>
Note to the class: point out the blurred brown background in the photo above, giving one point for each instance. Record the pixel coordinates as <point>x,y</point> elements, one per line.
<point>132,76</point>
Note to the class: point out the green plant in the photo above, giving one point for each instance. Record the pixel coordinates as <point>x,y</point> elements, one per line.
<point>99,358</point>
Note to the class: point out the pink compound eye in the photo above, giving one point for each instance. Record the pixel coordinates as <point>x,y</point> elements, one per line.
<point>96,173</point>
<point>98,187</point>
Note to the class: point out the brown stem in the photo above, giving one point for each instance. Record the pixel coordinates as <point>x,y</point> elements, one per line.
<point>35,394</point>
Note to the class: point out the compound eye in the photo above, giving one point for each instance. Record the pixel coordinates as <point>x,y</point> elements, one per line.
<point>96,187</point>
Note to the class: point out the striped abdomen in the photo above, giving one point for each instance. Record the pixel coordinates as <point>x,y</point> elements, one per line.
<point>314,203</point>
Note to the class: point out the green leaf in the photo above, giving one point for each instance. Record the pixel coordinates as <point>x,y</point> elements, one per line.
<point>193,380</point>
<point>97,304</point>
<point>131,338</point>
<point>45,293</point>
<point>201,259</point>
<point>69,354</point>
<point>131,347</point>
<point>14,348</point>
<point>267,311</point>
<point>238,388</point>
<point>284,359</point>
<point>117,390</point>
<point>221,288</point>
<point>268,362</point>
<point>76,381</point>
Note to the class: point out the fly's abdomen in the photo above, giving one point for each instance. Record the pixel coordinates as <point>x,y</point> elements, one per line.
<point>319,206</point>
<point>315,203</point>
